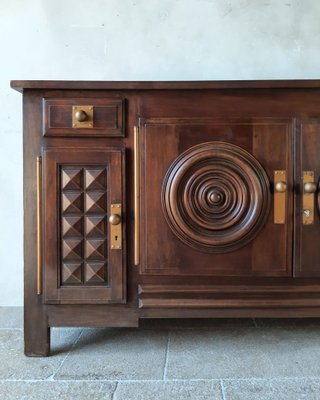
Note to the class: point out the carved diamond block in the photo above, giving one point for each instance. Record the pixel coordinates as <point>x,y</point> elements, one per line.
<point>96,202</point>
<point>71,179</point>
<point>72,202</point>
<point>95,226</point>
<point>95,249</point>
<point>71,273</point>
<point>71,249</point>
<point>72,226</point>
<point>95,179</point>
<point>95,272</point>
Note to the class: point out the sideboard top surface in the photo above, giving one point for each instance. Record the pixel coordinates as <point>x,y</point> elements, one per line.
<point>21,85</point>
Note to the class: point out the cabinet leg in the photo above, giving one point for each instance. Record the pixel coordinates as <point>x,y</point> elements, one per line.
<point>36,334</point>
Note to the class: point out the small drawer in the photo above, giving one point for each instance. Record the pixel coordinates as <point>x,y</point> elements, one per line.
<point>83,117</point>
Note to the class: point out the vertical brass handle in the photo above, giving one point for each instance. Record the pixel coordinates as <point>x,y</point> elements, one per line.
<point>136,198</point>
<point>39,225</point>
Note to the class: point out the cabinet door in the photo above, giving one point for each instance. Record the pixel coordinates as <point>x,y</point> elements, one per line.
<point>307,232</point>
<point>207,197</point>
<point>83,262</point>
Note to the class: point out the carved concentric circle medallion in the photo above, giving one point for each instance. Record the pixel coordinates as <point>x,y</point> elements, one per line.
<point>216,197</point>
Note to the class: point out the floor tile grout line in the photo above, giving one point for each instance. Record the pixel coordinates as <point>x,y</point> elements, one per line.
<point>164,377</point>
<point>223,392</point>
<point>52,377</point>
<point>214,380</point>
<point>114,392</point>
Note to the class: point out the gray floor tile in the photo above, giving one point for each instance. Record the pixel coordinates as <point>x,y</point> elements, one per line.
<point>194,323</point>
<point>56,390</point>
<point>15,365</point>
<point>307,389</point>
<point>11,317</point>
<point>168,391</point>
<point>244,353</point>
<point>117,354</point>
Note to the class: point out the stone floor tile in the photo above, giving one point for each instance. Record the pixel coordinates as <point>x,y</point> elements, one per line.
<point>177,390</point>
<point>56,390</point>
<point>195,323</point>
<point>11,317</point>
<point>244,353</point>
<point>15,365</point>
<point>116,354</point>
<point>287,389</point>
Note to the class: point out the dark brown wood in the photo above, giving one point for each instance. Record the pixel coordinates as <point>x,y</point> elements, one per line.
<point>307,252</point>
<point>36,327</point>
<point>163,85</point>
<point>183,180</point>
<point>80,185</point>
<point>209,244</point>
<point>201,193</point>
<point>108,117</point>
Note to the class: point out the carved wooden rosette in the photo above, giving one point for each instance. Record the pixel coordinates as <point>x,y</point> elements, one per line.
<point>216,197</point>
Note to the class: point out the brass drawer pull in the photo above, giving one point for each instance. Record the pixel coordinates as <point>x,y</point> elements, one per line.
<point>39,225</point>
<point>82,117</point>
<point>280,197</point>
<point>136,198</point>
<point>309,189</point>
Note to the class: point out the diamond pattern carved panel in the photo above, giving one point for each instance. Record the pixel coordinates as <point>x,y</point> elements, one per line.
<point>83,219</point>
<point>79,186</point>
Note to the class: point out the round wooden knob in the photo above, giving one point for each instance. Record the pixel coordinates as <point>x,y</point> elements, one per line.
<point>214,197</point>
<point>114,219</point>
<point>280,187</point>
<point>81,115</point>
<point>309,187</point>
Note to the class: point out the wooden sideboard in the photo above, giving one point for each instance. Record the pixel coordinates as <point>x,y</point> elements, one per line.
<point>169,200</point>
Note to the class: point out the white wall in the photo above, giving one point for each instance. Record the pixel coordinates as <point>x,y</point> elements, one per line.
<point>136,40</point>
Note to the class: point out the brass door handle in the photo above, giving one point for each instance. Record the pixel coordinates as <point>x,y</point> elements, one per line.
<point>115,219</point>
<point>308,197</point>
<point>280,197</point>
<point>280,187</point>
<point>309,187</point>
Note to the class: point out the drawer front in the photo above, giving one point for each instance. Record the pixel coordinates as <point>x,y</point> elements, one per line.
<point>83,117</point>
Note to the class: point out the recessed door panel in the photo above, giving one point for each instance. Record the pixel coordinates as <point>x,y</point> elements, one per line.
<point>307,216</point>
<point>83,262</point>
<point>207,197</point>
